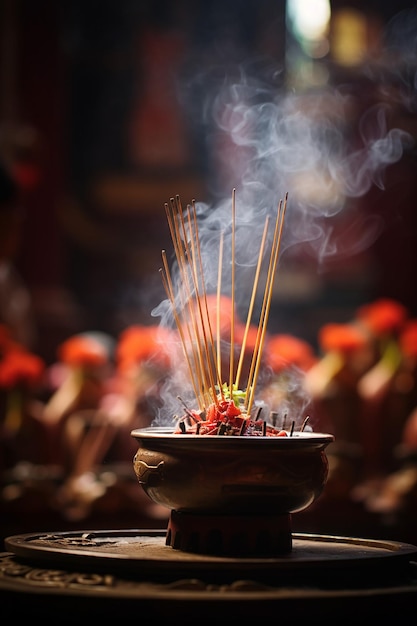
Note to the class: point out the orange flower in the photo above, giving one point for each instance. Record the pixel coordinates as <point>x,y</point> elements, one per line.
<point>408,338</point>
<point>250,338</point>
<point>284,350</point>
<point>383,316</point>
<point>345,338</point>
<point>219,312</point>
<point>83,351</point>
<point>20,368</point>
<point>138,344</point>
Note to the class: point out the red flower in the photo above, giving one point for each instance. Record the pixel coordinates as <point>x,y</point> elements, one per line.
<point>219,311</point>
<point>20,368</point>
<point>83,351</point>
<point>250,339</point>
<point>285,350</point>
<point>408,338</point>
<point>138,344</point>
<point>382,316</point>
<point>344,338</point>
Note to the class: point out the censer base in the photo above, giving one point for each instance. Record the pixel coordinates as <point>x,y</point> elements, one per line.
<point>230,535</point>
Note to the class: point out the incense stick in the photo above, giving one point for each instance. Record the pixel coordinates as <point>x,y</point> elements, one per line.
<point>210,351</point>
<point>266,304</point>
<point>251,304</point>
<point>232,324</point>
<point>191,288</point>
<point>219,291</point>
<point>190,306</point>
<point>167,284</point>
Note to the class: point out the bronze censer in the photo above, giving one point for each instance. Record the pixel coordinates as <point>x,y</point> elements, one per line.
<point>231,495</point>
<point>231,487</point>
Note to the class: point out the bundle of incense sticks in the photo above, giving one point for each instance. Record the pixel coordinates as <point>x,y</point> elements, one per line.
<point>190,309</point>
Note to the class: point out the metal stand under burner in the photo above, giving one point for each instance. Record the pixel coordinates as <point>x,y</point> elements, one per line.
<point>232,535</point>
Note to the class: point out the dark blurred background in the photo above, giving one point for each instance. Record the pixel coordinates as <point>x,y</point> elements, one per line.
<point>106,105</point>
<point>109,109</point>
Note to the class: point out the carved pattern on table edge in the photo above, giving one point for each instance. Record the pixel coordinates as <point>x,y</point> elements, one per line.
<point>85,540</point>
<point>37,577</point>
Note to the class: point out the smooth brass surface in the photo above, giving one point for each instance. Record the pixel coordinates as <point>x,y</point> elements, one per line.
<point>231,475</point>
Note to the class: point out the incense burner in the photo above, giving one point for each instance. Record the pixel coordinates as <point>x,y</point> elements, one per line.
<point>216,479</point>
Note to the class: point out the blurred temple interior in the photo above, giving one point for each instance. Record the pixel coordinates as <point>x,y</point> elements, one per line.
<point>108,110</point>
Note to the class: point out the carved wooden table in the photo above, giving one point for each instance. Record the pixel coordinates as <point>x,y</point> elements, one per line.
<point>78,577</point>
